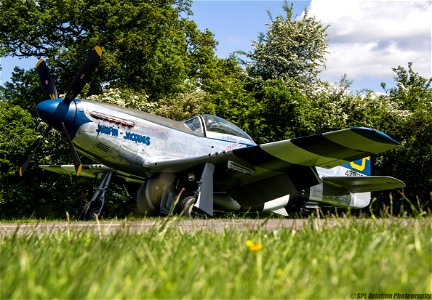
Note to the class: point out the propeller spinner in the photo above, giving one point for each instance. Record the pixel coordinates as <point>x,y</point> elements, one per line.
<point>58,112</point>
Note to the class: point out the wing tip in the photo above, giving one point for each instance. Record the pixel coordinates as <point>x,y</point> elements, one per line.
<point>375,135</point>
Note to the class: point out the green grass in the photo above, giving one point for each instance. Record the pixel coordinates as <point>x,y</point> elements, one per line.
<point>318,261</point>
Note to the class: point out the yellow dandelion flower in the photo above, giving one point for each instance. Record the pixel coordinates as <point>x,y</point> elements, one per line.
<point>253,247</point>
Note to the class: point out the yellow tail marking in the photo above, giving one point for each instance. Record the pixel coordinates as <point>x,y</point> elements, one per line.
<point>360,167</point>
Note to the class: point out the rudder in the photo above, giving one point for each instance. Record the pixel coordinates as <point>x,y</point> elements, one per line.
<point>362,166</point>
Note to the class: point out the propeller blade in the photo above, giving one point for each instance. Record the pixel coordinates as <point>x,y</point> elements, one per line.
<point>26,163</point>
<point>47,83</point>
<point>74,154</point>
<point>83,75</point>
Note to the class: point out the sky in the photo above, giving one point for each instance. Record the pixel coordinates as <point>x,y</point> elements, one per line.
<point>366,39</point>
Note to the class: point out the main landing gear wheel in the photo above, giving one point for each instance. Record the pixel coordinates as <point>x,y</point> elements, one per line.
<point>92,210</point>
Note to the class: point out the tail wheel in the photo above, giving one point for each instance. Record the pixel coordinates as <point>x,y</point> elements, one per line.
<point>188,209</point>
<point>186,205</point>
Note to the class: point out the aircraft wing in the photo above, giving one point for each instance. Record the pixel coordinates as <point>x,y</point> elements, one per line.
<point>91,170</point>
<point>363,184</point>
<point>294,158</point>
<point>326,150</point>
<point>331,149</point>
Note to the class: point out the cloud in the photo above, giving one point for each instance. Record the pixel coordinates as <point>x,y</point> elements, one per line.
<point>369,38</point>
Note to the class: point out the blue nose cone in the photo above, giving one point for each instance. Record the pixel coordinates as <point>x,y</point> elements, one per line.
<point>55,112</point>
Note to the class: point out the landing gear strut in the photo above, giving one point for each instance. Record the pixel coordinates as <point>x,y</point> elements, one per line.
<point>93,208</point>
<point>201,204</point>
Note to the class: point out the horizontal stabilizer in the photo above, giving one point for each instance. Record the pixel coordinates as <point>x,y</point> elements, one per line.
<point>363,184</point>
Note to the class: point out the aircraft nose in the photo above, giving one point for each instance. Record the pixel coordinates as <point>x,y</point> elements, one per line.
<point>54,112</point>
<point>46,109</point>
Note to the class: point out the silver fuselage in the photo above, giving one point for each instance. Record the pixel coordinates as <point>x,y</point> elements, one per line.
<point>136,142</point>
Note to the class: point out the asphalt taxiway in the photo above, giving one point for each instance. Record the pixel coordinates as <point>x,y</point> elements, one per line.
<point>186,225</point>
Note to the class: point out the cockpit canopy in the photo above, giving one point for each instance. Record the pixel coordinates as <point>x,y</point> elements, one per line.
<point>216,127</point>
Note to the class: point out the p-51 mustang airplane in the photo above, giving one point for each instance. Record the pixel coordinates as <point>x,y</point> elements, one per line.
<point>206,162</point>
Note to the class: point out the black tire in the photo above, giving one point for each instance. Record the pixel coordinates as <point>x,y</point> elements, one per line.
<point>92,209</point>
<point>186,205</point>
<point>197,213</point>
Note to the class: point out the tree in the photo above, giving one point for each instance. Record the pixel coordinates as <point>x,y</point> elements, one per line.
<point>178,107</point>
<point>23,90</point>
<point>412,91</point>
<point>290,48</point>
<point>17,134</point>
<point>152,51</point>
<point>34,194</point>
<point>282,71</point>
<point>413,127</point>
<point>149,46</point>
<point>281,107</point>
<point>226,92</point>
<point>404,113</point>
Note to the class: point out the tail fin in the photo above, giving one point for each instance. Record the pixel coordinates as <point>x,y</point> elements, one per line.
<point>362,166</point>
